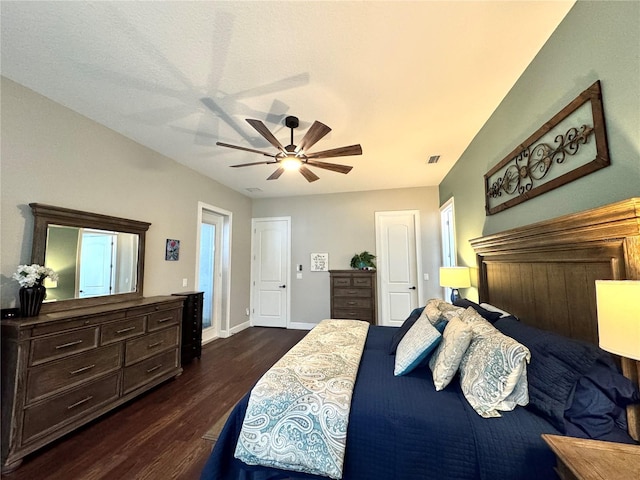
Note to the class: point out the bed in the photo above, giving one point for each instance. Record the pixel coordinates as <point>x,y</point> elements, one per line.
<point>401,427</point>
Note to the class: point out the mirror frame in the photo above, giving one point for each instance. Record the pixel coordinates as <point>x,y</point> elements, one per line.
<point>44,215</point>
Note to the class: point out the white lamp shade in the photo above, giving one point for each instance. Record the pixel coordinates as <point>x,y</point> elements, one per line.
<point>455,277</point>
<point>618,303</point>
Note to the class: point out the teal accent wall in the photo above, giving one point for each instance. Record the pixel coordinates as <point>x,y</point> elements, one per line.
<point>597,40</point>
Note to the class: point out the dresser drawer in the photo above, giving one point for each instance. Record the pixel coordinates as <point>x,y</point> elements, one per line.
<point>147,346</point>
<point>341,281</point>
<point>352,302</point>
<point>81,321</point>
<point>145,371</point>
<point>43,417</point>
<point>116,331</point>
<point>352,292</point>
<point>55,376</point>
<point>354,314</point>
<point>63,344</point>
<point>361,281</point>
<point>164,319</point>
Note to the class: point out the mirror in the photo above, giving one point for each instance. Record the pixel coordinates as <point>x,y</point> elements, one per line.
<point>99,259</point>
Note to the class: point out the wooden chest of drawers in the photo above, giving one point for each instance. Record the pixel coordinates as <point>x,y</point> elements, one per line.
<point>353,295</point>
<point>191,325</point>
<point>63,369</point>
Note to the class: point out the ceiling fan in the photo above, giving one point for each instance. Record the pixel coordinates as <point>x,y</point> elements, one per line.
<point>295,157</point>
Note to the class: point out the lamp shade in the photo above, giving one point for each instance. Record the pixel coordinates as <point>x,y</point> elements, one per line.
<point>619,317</point>
<point>455,277</point>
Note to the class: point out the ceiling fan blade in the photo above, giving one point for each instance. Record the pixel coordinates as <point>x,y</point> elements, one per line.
<point>315,133</point>
<point>264,131</point>
<point>308,174</point>
<point>275,175</point>
<point>251,164</point>
<point>334,167</point>
<point>221,144</point>
<point>337,152</point>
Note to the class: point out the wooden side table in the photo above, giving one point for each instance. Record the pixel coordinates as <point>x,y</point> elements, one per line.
<point>583,459</point>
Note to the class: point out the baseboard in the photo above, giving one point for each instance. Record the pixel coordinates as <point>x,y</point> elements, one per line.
<point>301,326</point>
<point>238,328</point>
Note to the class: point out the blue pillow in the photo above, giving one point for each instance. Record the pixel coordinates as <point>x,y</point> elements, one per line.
<point>597,407</point>
<point>557,363</point>
<point>483,312</point>
<point>408,323</point>
<point>417,344</point>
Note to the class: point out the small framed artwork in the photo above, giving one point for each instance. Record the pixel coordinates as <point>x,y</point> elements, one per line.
<point>172,253</point>
<point>319,262</point>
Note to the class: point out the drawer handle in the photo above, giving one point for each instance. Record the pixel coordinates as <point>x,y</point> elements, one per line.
<point>83,369</point>
<point>124,330</point>
<point>153,369</point>
<point>351,303</point>
<point>153,345</point>
<point>70,344</point>
<point>162,320</point>
<point>77,404</point>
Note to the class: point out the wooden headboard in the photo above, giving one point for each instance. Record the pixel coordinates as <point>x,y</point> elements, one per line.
<point>545,273</point>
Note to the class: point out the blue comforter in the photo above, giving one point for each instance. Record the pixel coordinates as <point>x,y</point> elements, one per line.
<point>401,428</point>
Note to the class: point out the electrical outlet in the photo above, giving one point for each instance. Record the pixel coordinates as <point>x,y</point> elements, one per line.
<point>426,276</point>
<point>185,282</point>
<point>247,311</point>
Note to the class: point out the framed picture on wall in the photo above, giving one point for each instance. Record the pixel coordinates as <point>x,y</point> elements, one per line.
<point>319,262</point>
<point>172,253</point>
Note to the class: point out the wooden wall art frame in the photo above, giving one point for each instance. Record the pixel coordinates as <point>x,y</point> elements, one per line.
<point>536,166</point>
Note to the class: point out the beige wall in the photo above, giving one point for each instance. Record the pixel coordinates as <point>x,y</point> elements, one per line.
<point>342,225</point>
<point>55,156</point>
<point>596,41</point>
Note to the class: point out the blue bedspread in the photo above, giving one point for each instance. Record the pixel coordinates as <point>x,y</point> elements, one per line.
<point>401,428</point>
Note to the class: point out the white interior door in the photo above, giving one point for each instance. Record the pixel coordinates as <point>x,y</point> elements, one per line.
<point>270,272</point>
<point>399,265</point>
<point>96,264</point>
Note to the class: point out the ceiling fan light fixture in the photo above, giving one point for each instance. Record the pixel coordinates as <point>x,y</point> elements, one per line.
<point>291,163</point>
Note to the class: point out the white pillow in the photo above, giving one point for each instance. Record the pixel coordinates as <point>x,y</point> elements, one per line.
<point>491,308</point>
<point>418,342</point>
<point>493,374</point>
<point>445,360</point>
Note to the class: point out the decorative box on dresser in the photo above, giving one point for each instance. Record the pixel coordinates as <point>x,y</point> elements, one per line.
<point>191,325</point>
<point>62,369</point>
<point>353,294</point>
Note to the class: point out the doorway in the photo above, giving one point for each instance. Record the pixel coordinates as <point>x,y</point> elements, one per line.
<point>448,231</point>
<point>212,269</point>
<point>399,265</point>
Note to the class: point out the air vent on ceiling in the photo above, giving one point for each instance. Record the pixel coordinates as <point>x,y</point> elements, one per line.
<point>433,159</point>
<point>253,189</point>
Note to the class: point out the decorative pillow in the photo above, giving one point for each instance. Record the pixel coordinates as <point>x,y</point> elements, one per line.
<point>445,360</point>
<point>484,313</point>
<point>493,374</point>
<point>478,324</point>
<point>402,331</point>
<point>419,341</point>
<point>438,310</point>
<point>557,363</point>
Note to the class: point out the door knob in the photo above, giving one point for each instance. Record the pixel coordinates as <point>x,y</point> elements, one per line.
<point>282,286</point>
<point>412,288</point>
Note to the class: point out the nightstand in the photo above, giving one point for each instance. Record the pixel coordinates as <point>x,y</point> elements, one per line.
<point>583,459</point>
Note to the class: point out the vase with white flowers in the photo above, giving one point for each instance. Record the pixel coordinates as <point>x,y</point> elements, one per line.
<point>32,291</point>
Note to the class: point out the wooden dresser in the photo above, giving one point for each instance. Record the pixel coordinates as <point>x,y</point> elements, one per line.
<point>191,325</point>
<point>61,370</point>
<point>353,294</point>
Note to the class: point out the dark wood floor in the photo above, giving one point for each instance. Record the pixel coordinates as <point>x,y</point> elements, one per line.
<point>158,436</point>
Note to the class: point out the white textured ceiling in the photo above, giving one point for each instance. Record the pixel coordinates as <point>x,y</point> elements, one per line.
<point>406,80</point>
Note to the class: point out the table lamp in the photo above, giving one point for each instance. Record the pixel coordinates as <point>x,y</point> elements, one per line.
<point>618,307</point>
<point>455,278</point>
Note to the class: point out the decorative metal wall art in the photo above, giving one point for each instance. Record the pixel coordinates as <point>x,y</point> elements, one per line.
<point>570,145</point>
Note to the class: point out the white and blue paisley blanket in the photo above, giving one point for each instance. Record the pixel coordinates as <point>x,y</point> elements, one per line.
<point>298,411</point>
